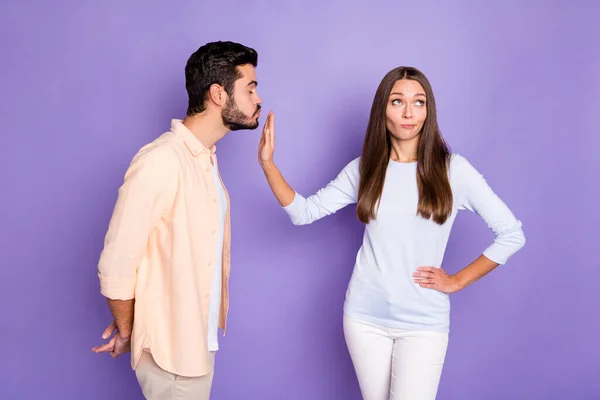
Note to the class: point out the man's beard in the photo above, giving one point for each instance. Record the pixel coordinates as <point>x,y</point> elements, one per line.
<point>235,119</point>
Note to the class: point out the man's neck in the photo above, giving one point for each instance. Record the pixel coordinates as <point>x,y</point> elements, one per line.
<point>209,129</point>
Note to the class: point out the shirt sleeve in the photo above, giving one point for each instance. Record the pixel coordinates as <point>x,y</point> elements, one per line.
<point>339,193</point>
<point>478,197</point>
<point>146,194</point>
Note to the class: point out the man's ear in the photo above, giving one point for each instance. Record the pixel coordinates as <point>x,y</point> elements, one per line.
<point>217,94</point>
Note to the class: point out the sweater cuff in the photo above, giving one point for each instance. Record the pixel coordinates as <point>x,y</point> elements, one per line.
<point>496,254</point>
<point>293,208</point>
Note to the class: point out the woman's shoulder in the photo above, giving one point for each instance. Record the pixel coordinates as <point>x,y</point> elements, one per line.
<point>352,167</point>
<point>461,169</point>
<point>459,163</point>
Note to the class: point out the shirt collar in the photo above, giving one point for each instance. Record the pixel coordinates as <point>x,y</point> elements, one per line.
<point>193,144</point>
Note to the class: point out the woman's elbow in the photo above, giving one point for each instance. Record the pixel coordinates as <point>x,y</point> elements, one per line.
<point>517,240</point>
<point>300,221</point>
<point>522,240</point>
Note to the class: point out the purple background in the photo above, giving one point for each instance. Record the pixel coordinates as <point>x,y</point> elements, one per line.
<point>84,85</point>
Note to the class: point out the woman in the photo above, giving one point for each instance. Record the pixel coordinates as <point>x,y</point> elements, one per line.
<point>408,188</point>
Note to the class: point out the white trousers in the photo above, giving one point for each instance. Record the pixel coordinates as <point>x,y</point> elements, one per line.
<point>395,364</point>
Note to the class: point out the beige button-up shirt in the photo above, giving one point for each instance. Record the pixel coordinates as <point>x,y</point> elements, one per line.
<point>160,248</point>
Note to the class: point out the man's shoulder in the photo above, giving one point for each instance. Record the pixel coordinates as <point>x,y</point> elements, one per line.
<point>164,150</point>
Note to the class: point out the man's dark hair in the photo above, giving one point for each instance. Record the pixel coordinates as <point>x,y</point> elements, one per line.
<point>215,62</point>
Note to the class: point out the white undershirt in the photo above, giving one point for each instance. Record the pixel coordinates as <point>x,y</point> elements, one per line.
<point>215,291</point>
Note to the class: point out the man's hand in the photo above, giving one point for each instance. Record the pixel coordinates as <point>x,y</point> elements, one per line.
<point>117,345</point>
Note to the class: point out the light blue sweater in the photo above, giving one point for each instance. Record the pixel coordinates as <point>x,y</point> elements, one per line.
<point>381,290</point>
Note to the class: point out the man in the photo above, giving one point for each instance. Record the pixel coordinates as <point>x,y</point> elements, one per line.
<point>165,266</point>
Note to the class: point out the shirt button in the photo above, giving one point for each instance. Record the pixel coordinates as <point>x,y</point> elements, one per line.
<point>206,296</point>
<point>214,200</point>
<point>210,263</point>
<point>213,231</point>
<point>208,169</point>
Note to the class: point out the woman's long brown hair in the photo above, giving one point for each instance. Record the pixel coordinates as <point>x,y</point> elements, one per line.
<point>433,155</point>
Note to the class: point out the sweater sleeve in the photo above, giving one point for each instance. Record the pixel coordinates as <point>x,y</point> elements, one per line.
<point>339,193</point>
<point>477,196</point>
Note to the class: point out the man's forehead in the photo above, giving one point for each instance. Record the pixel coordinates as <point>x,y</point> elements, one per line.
<point>247,73</point>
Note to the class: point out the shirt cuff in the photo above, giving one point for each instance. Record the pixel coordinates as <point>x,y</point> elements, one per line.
<point>117,288</point>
